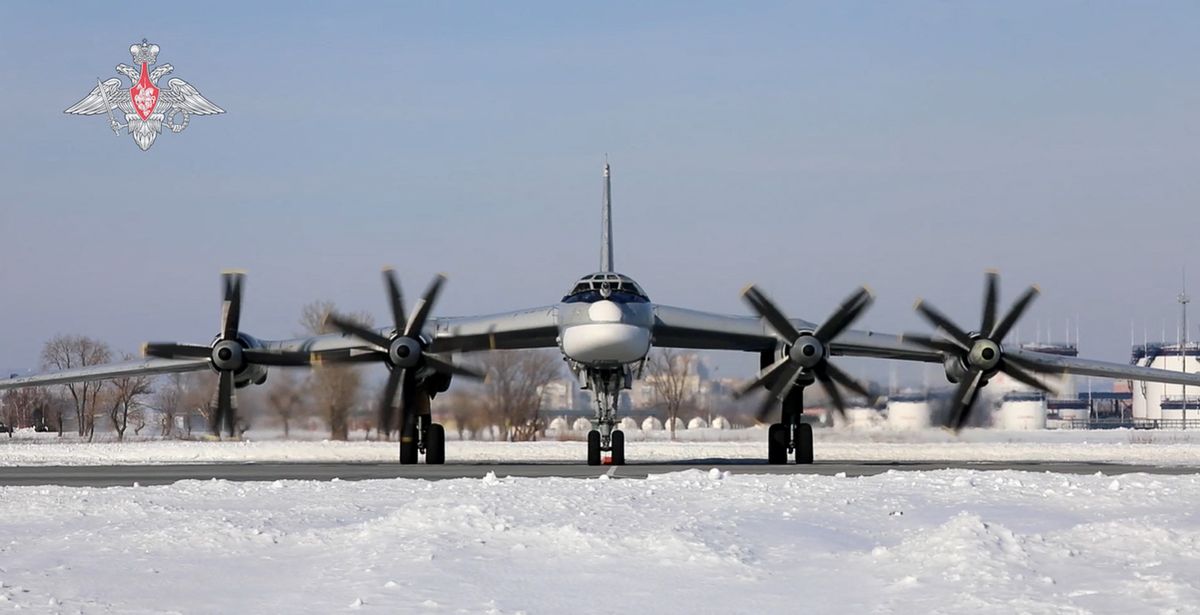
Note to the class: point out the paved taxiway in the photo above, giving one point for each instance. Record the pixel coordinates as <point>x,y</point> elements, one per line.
<point>108,476</point>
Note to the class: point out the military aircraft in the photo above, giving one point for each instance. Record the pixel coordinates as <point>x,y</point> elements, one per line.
<point>605,327</point>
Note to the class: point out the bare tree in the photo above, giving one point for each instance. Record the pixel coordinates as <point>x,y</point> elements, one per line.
<point>198,398</point>
<point>70,352</point>
<point>122,400</point>
<point>513,389</point>
<point>24,408</point>
<point>285,398</point>
<point>169,400</point>
<point>336,387</point>
<point>668,372</point>
<point>465,408</point>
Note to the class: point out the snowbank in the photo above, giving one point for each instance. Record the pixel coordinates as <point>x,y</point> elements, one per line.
<point>905,542</point>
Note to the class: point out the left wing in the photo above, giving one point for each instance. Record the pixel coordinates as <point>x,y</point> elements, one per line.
<point>185,96</point>
<point>144,367</point>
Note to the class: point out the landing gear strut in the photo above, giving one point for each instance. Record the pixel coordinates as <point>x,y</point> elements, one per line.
<point>791,435</point>
<point>606,385</point>
<point>419,434</point>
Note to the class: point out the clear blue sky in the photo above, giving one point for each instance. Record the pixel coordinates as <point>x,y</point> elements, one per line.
<point>809,147</point>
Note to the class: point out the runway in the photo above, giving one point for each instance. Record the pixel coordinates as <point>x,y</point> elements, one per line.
<point>128,475</point>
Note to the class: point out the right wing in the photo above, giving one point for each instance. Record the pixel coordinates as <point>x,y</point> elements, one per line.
<point>93,103</point>
<point>143,367</point>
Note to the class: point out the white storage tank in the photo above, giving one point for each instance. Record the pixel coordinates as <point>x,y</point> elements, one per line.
<point>652,424</point>
<point>1021,411</point>
<point>697,423</point>
<point>558,425</point>
<point>909,411</point>
<point>581,424</point>
<point>720,423</point>
<point>859,417</point>
<point>628,424</point>
<point>1149,397</point>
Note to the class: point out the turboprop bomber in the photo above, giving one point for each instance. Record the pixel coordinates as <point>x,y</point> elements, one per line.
<point>605,327</point>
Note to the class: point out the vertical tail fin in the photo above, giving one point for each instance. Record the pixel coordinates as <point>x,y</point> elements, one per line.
<point>606,247</point>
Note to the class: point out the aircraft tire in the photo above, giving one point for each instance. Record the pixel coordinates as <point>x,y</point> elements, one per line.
<point>435,445</point>
<point>777,444</point>
<point>593,448</point>
<point>618,448</point>
<point>804,443</point>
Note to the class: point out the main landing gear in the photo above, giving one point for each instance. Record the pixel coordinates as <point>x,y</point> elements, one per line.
<point>420,435</point>
<point>790,435</point>
<point>606,385</point>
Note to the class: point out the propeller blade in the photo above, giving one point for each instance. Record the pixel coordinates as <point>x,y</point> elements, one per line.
<point>771,313</point>
<point>171,350</point>
<point>417,321</point>
<point>387,405</point>
<point>407,389</point>
<point>231,307</point>
<point>841,377</point>
<point>276,357</point>
<point>1014,313</point>
<point>835,396</point>
<point>964,400</point>
<point>763,379</point>
<point>395,298</point>
<point>1020,375</point>
<point>940,344</point>
<point>780,388</point>
<point>226,402</point>
<point>845,315</point>
<point>446,366</point>
<point>347,355</point>
<point>939,319</point>
<point>349,327</point>
<point>990,299</point>
<point>1028,360</point>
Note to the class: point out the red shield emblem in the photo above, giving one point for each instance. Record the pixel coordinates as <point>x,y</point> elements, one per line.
<point>144,95</point>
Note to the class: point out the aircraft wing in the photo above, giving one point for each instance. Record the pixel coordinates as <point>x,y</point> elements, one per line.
<point>1101,369</point>
<point>683,328</point>
<point>143,367</point>
<point>530,328</point>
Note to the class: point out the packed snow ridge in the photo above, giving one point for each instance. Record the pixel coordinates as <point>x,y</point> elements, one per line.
<point>949,541</point>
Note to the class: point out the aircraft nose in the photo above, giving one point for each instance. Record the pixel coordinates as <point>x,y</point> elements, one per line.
<point>604,311</point>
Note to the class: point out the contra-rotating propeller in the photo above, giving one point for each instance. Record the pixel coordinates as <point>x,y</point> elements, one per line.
<point>979,355</point>
<point>229,354</point>
<point>404,352</point>
<point>807,355</point>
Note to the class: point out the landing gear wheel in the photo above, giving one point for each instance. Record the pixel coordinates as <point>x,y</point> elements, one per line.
<point>777,444</point>
<point>408,443</point>
<point>435,444</point>
<point>618,448</point>
<point>593,448</point>
<point>804,443</point>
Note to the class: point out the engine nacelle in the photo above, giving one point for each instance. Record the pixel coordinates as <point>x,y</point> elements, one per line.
<point>250,373</point>
<point>955,370</point>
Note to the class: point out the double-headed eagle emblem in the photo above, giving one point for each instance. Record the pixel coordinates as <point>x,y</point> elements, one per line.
<point>147,107</point>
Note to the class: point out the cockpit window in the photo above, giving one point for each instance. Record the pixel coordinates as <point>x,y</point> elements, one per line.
<point>594,287</point>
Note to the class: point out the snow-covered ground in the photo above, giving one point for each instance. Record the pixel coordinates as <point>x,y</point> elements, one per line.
<point>1113,446</point>
<point>950,541</point>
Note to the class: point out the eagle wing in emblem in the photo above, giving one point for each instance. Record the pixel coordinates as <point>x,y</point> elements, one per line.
<point>183,95</point>
<point>93,103</point>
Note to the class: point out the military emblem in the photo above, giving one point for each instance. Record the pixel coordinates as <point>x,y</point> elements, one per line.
<point>147,107</point>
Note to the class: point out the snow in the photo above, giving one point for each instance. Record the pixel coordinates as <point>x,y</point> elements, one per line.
<point>1110,446</point>
<point>901,542</point>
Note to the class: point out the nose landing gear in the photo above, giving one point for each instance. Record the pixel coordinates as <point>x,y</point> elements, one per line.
<point>606,385</point>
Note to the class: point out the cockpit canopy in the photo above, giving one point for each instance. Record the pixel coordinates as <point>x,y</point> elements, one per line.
<point>606,285</point>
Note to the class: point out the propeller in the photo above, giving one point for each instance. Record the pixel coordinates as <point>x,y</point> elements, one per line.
<point>404,351</point>
<point>229,354</point>
<point>980,354</point>
<point>807,356</point>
